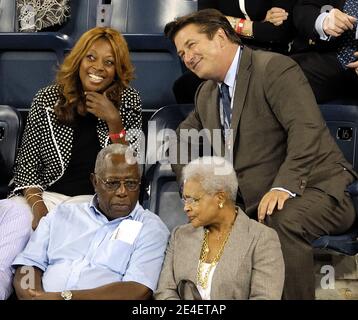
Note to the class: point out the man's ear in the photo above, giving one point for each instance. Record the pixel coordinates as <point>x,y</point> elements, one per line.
<point>221,34</point>
<point>93,180</point>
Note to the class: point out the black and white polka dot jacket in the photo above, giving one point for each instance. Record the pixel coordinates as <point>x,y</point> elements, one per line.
<point>46,145</point>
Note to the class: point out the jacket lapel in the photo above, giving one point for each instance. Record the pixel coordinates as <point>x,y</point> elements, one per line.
<point>242,83</point>
<point>189,256</point>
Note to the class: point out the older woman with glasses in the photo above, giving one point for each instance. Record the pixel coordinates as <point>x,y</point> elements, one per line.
<point>221,253</point>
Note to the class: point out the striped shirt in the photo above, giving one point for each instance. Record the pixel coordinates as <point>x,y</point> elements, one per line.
<point>15,230</point>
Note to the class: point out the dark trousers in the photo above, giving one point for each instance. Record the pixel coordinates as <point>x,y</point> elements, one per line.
<point>328,79</point>
<point>302,220</point>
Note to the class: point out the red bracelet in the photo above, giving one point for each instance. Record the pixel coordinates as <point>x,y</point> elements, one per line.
<point>240,25</point>
<point>115,136</point>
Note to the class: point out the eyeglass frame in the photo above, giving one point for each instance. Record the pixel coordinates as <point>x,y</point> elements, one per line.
<point>122,181</point>
<point>191,201</point>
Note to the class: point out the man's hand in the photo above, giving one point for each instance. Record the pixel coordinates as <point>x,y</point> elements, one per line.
<point>42,295</point>
<point>99,105</point>
<point>276,16</point>
<point>337,22</point>
<point>354,65</point>
<point>269,202</point>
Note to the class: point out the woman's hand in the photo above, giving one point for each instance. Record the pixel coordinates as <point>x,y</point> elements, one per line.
<point>39,210</point>
<point>34,199</point>
<point>99,105</point>
<point>276,16</point>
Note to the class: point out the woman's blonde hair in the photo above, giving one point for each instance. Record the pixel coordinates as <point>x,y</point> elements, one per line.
<point>68,75</point>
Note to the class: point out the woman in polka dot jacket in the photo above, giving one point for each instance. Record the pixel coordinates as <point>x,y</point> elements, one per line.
<point>89,106</point>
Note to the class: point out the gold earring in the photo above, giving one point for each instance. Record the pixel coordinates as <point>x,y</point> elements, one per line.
<point>221,205</point>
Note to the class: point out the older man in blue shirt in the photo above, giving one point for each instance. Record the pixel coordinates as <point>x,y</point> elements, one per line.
<point>110,248</point>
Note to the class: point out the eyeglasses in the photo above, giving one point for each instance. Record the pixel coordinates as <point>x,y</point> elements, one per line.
<point>130,185</point>
<point>191,201</point>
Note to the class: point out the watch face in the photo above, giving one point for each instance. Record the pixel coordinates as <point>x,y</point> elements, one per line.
<point>66,295</point>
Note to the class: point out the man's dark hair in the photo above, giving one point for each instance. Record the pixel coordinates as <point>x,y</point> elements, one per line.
<point>209,21</point>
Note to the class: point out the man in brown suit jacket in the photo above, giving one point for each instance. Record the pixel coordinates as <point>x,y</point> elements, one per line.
<point>291,173</point>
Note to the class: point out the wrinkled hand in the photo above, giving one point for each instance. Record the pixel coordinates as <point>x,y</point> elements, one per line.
<point>354,65</point>
<point>42,295</point>
<point>337,22</point>
<point>269,202</point>
<point>99,105</point>
<point>276,16</point>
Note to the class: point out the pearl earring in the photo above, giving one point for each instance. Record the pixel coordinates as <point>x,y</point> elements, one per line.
<point>221,205</point>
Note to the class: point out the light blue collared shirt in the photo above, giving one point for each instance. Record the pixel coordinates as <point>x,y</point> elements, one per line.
<point>230,80</point>
<point>230,77</point>
<point>78,248</point>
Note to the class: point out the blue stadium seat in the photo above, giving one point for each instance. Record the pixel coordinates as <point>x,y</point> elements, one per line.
<point>154,57</point>
<point>342,121</point>
<point>157,66</point>
<point>148,17</point>
<point>28,62</point>
<point>164,197</point>
<point>10,129</point>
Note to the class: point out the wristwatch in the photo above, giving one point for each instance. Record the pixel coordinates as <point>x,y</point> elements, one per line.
<point>66,295</point>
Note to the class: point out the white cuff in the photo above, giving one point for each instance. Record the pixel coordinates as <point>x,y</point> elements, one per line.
<point>319,26</point>
<point>292,195</point>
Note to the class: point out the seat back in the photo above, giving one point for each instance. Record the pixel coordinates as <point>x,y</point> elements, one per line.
<point>28,62</point>
<point>342,121</point>
<point>163,189</point>
<point>154,57</point>
<point>10,129</point>
<point>145,17</point>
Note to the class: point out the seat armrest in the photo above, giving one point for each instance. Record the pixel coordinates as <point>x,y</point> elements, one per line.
<point>353,189</point>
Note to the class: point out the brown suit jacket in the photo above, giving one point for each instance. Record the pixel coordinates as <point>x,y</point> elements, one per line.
<point>280,137</point>
<point>251,266</point>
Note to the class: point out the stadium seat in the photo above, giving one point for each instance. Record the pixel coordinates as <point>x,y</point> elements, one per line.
<point>156,62</point>
<point>342,121</point>
<point>28,62</point>
<point>10,129</point>
<point>148,17</point>
<point>163,191</point>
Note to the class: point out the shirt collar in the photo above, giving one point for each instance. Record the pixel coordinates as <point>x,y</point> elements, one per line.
<point>94,209</point>
<point>231,74</point>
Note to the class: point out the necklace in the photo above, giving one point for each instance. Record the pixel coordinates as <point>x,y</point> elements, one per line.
<point>202,280</point>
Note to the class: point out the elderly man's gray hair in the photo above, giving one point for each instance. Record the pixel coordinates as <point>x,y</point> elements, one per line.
<point>116,148</point>
<point>214,174</point>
